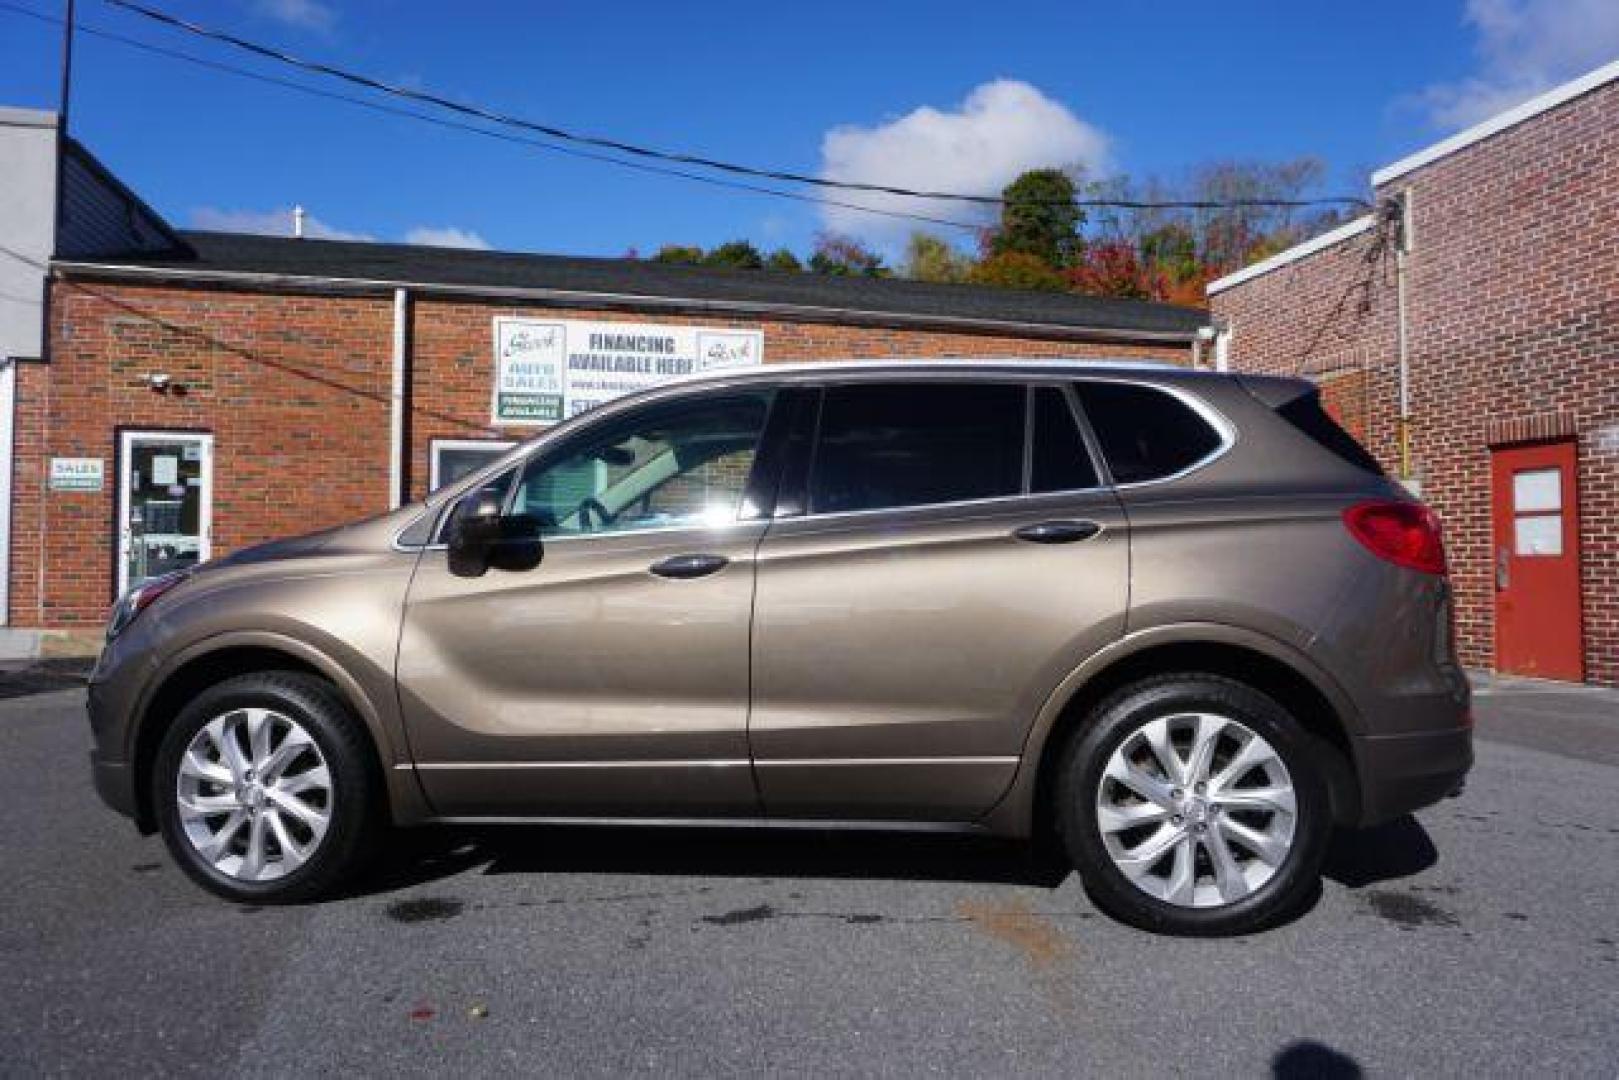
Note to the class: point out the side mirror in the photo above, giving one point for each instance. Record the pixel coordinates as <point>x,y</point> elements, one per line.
<point>480,537</point>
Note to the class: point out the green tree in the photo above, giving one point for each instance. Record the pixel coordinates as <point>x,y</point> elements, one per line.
<point>844,256</point>
<point>782,259</point>
<point>928,258</point>
<point>1016,270</point>
<point>1171,249</point>
<point>737,253</point>
<point>1041,217</point>
<point>680,254</point>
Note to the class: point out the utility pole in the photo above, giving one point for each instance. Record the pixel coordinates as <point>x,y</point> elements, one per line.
<point>67,71</point>
<point>62,105</point>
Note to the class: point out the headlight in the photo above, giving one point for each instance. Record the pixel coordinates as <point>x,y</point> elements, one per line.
<point>139,598</point>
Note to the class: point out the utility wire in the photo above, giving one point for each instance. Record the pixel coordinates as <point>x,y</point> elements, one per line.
<point>394,110</point>
<point>490,115</point>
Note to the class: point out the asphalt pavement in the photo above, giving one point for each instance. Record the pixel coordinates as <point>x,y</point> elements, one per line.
<point>1480,938</point>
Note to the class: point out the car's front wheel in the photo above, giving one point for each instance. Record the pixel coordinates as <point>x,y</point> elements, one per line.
<point>263,788</point>
<point>1194,805</point>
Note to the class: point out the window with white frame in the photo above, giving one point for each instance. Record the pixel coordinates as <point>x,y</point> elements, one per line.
<point>452,459</point>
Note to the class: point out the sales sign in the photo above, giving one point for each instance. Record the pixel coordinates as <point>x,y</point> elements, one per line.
<point>545,370</point>
<point>77,474</point>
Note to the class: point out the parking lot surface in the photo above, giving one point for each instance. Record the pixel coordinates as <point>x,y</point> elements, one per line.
<point>1480,937</point>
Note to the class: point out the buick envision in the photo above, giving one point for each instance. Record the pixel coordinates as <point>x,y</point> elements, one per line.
<point>1178,621</point>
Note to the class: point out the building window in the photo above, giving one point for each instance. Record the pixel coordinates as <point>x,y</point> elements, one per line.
<point>453,459</point>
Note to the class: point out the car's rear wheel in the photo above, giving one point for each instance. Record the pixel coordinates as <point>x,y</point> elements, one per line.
<point>264,790</point>
<point>1194,805</point>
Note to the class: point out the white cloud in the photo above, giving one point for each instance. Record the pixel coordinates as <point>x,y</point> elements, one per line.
<point>1524,47</point>
<point>1003,128</point>
<point>302,14</point>
<point>277,222</point>
<point>448,236</point>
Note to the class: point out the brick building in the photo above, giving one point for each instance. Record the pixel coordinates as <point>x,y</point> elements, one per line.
<point>1492,268</point>
<point>194,392</point>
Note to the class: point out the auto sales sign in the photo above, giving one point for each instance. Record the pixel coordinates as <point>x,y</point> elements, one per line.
<point>548,369</point>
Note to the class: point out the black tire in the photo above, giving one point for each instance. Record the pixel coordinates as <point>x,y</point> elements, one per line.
<point>1079,776</point>
<point>356,796</point>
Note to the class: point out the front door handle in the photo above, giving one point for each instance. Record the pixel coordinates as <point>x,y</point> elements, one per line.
<point>689,566</point>
<point>1503,571</point>
<point>1057,532</point>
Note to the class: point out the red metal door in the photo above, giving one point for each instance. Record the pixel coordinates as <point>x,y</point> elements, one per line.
<point>1537,561</point>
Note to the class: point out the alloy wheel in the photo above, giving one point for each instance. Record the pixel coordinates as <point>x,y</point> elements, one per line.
<point>1196,809</point>
<point>254,794</point>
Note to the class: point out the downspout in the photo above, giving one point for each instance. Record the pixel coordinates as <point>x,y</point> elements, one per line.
<point>396,400</point>
<point>8,406</point>
<point>1399,211</point>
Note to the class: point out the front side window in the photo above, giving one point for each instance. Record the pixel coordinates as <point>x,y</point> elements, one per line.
<point>664,466</point>
<point>909,444</point>
<point>1145,433</point>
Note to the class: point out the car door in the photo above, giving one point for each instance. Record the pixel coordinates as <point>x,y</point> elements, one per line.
<point>611,678</point>
<point>943,557</point>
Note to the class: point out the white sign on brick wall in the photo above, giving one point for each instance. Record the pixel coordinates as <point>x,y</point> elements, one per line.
<point>77,474</point>
<point>547,369</point>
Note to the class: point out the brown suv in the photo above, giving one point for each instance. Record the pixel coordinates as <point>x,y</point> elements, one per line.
<point>1179,618</point>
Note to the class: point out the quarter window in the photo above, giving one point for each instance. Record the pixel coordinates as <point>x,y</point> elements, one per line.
<point>1059,461</point>
<point>666,466</point>
<point>909,444</point>
<point>1145,433</point>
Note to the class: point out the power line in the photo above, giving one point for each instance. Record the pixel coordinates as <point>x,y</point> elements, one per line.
<point>393,110</point>
<point>551,131</point>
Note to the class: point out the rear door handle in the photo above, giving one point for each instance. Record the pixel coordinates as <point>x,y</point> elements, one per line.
<point>689,566</point>
<point>1057,532</point>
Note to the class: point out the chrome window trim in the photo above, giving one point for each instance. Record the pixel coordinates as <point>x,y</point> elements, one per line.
<point>1223,427</point>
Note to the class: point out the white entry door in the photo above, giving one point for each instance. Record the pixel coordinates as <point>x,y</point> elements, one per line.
<point>165,503</point>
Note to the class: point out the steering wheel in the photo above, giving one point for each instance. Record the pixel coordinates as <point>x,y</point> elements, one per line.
<point>590,505</point>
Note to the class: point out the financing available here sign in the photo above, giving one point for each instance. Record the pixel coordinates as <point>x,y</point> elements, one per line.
<point>549,369</point>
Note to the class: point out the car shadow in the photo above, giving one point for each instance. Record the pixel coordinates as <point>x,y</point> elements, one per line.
<point>1401,848</point>
<point>414,857</point>
<point>421,856</point>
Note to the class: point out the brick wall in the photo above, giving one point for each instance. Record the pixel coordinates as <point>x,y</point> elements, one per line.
<point>295,390</point>
<point>1513,329</point>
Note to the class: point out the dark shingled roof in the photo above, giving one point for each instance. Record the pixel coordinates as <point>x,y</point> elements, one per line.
<point>213,252</point>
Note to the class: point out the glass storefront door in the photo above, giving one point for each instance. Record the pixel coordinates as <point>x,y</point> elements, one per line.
<point>165,503</point>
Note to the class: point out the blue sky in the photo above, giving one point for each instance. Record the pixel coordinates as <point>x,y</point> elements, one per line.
<point>961,95</point>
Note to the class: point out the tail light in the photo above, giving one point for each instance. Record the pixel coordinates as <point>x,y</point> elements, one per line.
<point>1404,533</point>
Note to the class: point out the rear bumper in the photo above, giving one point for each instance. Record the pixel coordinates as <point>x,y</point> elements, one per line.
<point>1406,772</point>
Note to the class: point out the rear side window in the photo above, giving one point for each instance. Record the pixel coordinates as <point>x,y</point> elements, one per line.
<point>1059,461</point>
<point>1306,414</point>
<point>1145,433</point>
<point>910,444</point>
